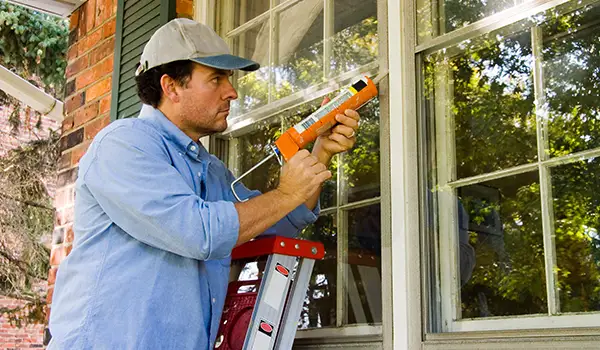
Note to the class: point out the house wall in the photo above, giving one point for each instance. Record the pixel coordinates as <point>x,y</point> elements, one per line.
<point>87,108</point>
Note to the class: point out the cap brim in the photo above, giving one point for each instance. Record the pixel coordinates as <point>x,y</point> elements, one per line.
<point>228,62</point>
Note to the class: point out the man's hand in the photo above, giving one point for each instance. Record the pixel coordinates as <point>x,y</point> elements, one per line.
<point>338,139</point>
<point>302,176</point>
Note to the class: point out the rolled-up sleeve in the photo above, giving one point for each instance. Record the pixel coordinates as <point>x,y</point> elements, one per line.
<point>132,178</point>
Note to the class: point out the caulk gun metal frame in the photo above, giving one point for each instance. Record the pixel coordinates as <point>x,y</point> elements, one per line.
<point>274,153</point>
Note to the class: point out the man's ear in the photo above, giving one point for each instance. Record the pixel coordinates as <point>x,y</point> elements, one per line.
<point>169,90</point>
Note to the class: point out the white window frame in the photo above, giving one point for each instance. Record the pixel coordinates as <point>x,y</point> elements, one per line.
<point>241,124</point>
<point>449,295</point>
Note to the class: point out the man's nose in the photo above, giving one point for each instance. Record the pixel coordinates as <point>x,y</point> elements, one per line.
<point>230,93</point>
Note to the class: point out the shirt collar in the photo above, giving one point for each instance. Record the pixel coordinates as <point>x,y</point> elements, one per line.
<point>173,133</point>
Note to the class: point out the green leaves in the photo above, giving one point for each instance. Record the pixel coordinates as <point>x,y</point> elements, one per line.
<point>34,46</point>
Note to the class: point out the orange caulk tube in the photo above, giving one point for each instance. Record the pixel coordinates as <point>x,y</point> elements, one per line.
<point>323,119</point>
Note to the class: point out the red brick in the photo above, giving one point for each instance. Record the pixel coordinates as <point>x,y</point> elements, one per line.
<point>104,10</point>
<point>86,114</point>
<point>74,20</point>
<point>69,234</point>
<point>79,65</point>
<point>78,152</point>
<point>105,104</point>
<point>64,216</point>
<point>89,42</point>
<point>73,103</point>
<point>94,127</point>
<point>95,73</point>
<point>109,28</point>
<point>65,161</point>
<point>104,50</point>
<point>72,52</point>
<point>49,295</point>
<point>90,14</point>
<point>68,124</point>
<point>63,197</point>
<point>57,255</point>
<point>52,275</point>
<point>99,89</point>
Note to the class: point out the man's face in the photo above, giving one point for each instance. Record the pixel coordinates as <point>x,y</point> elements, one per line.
<point>204,102</point>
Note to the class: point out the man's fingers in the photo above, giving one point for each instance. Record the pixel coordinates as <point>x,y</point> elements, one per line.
<point>323,176</point>
<point>342,140</point>
<point>319,167</point>
<point>299,156</point>
<point>346,120</point>
<point>344,130</point>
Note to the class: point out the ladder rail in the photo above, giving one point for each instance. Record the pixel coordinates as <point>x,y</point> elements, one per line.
<point>294,305</point>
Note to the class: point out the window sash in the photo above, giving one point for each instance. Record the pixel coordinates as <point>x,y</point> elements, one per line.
<point>445,176</point>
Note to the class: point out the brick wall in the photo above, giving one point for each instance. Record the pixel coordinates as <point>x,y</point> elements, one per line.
<point>87,107</point>
<point>29,337</point>
<point>26,132</point>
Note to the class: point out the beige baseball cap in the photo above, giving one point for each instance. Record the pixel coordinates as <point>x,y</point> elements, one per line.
<point>184,39</point>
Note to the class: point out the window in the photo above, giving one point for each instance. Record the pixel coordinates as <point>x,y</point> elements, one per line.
<point>512,122</point>
<point>307,50</point>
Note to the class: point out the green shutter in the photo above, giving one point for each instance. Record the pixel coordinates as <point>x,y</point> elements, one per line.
<point>137,20</point>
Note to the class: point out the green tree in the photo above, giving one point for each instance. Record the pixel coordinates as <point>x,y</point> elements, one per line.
<point>493,107</point>
<point>32,45</point>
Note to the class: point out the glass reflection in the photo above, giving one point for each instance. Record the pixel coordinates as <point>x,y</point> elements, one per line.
<point>576,193</point>
<point>363,279</point>
<point>572,81</point>
<point>501,248</point>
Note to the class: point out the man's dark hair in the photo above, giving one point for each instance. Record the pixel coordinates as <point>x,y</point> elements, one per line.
<point>148,83</point>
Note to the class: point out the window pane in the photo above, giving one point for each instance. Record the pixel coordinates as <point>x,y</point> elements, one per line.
<point>572,81</point>
<point>363,284</point>
<point>439,17</point>
<point>299,47</point>
<point>252,148</point>
<point>361,164</point>
<point>490,102</point>
<point>355,42</point>
<point>246,10</point>
<point>501,248</point>
<point>320,303</point>
<point>576,192</point>
<point>252,87</point>
<point>459,13</point>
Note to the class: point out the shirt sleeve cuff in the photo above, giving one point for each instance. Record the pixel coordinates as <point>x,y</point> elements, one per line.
<point>302,216</point>
<point>228,229</point>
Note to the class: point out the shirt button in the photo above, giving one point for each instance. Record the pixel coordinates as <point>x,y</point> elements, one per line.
<point>193,148</point>
<point>214,300</point>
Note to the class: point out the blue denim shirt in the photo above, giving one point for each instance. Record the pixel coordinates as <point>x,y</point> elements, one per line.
<point>154,228</point>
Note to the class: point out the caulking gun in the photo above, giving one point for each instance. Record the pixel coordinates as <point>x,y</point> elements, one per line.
<point>295,138</point>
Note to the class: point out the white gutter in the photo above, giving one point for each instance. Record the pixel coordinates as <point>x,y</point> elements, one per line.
<point>30,95</point>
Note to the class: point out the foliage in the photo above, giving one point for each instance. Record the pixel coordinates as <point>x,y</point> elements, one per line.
<point>33,45</point>
<point>26,219</point>
<point>495,111</point>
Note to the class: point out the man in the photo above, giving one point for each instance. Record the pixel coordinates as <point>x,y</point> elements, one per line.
<point>155,219</point>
